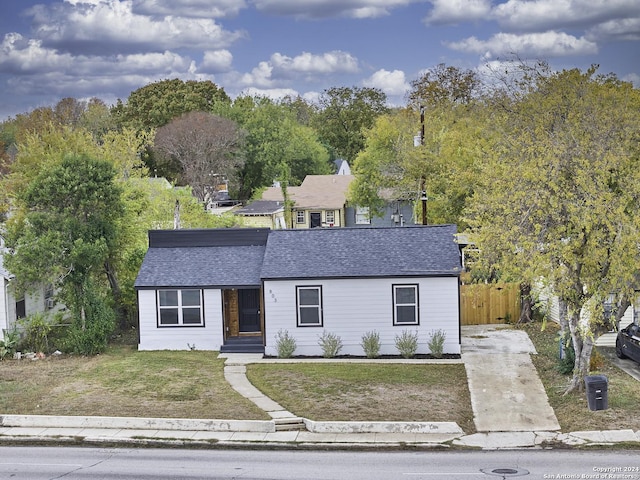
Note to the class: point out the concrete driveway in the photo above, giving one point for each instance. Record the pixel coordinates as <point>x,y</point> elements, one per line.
<point>607,346</point>
<point>506,392</point>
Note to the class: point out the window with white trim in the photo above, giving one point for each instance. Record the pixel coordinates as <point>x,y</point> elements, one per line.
<point>300,216</point>
<point>180,308</point>
<point>309,306</point>
<point>405,305</point>
<point>330,217</point>
<point>362,216</point>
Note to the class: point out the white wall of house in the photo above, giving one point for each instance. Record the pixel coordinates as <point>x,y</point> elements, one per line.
<point>153,337</point>
<point>352,307</point>
<point>4,306</point>
<point>551,307</point>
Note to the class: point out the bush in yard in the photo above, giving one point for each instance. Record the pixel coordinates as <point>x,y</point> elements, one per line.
<point>285,344</point>
<point>37,328</point>
<point>567,362</point>
<point>371,344</point>
<point>436,342</point>
<point>8,343</point>
<point>330,343</point>
<point>407,343</point>
<point>91,336</point>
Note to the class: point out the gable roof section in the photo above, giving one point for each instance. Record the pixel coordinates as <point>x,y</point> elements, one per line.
<point>316,191</point>
<point>412,251</point>
<point>203,258</point>
<point>261,207</point>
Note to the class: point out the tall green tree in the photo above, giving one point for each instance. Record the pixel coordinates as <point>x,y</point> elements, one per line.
<point>345,113</point>
<point>446,159</point>
<point>66,231</point>
<point>274,138</point>
<point>157,103</point>
<point>560,195</point>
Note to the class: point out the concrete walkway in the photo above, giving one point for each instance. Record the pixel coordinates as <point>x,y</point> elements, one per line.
<point>506,392</point>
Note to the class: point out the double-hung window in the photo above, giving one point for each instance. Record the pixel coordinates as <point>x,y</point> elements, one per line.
<point>309,303</point>
<point>300,217</point>
<point>363,216</point>
<point>405,305</point>
<point>330,217</point>
<point>180,308</point>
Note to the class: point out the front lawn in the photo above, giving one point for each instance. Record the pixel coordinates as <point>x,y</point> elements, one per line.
<point>124,382</point>
<point>368,392</point>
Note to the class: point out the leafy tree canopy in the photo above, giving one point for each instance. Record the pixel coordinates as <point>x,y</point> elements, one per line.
<point>156,104</point>
<point>344,115</point>
<point>560,192</point>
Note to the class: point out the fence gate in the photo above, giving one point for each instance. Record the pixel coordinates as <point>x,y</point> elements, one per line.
<point>482,304</point>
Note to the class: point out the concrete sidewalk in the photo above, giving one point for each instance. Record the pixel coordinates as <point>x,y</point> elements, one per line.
<point>510,409</point>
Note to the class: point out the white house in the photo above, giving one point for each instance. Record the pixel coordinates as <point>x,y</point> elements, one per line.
<point>234,289</point>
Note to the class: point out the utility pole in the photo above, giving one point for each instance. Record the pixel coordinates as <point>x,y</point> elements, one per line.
<point>423,179</point>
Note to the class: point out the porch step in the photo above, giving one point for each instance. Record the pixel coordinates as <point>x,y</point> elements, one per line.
<point>241,348</point>
<point>289,424</point>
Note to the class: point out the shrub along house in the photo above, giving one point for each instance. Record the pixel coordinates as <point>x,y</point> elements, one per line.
<point>234,289</point>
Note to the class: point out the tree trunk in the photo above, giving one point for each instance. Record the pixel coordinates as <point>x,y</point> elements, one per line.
<point>526,303</point>
<point>582,346</point>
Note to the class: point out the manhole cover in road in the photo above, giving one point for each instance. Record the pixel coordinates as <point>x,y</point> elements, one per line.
<point>505,472</point>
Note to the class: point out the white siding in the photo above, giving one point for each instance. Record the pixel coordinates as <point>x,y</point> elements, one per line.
<point>355,306</point>
<point>152,337</point>
<point>4,310</point>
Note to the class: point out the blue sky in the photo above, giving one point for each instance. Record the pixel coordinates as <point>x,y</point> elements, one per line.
<point>107,48</point>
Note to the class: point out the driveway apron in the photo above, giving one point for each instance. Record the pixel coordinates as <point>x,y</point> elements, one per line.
<point>506,392</point>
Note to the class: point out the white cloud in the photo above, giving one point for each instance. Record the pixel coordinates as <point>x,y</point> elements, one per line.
<point>281,69</point>
<point>189,8</point>
<point>623,29</point>
<point>446,12</point>
<point>537,15</point>
<point>308,63</point>
<point>216,61</point>
<point>331,8</point>
<point>111,26</point>
<point>540,45</point>
<point>392,83</point>
<point>19,55</point>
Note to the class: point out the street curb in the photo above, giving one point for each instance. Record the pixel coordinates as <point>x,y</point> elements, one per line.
<point>136,423</point>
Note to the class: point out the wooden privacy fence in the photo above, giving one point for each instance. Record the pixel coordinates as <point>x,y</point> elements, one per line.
<point>483,304</point>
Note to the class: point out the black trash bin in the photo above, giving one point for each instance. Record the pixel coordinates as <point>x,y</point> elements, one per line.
<point>597,387</point>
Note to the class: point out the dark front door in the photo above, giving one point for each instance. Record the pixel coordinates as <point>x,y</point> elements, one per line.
<point>316,219</point>
<point>249,310</point>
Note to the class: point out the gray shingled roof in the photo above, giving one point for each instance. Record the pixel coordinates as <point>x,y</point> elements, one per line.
<point>361,252</point>
<point>261,207</point>
<point>229,266</point>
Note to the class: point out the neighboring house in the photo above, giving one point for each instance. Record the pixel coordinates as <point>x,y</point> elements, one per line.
<point>263,213</point>
<point>342,167</point>
<point>550,305</point>
<point>320,200</point>
<point>12,308</point>
<point>396,213</point>
<point>235,289</point>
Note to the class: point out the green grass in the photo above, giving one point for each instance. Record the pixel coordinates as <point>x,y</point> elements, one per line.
<point>124,382</point>
<point>572,410</point>
<point>368,392</point>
